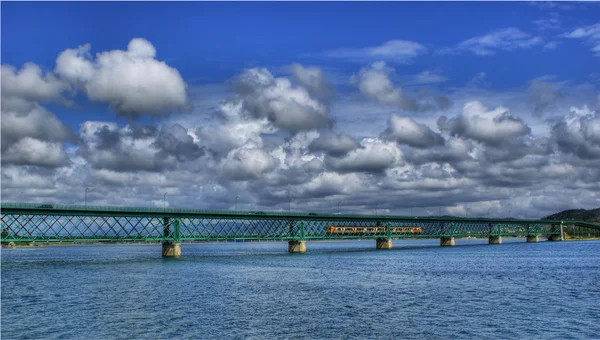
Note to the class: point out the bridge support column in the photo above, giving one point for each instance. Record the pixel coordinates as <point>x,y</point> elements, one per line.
<point>555,238</point>
<point>533,239</point>
<point>447,242</point>
<point>495,240</point>
<point>171,249</point>
<point>384,243</point>
<point>295,246</point>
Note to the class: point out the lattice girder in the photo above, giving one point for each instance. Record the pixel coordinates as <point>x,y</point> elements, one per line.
<point>104,224</point>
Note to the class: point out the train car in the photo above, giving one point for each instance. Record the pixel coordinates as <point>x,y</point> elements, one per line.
<point>372,230</point>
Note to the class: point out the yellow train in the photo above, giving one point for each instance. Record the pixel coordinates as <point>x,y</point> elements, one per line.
<point>372,230</point>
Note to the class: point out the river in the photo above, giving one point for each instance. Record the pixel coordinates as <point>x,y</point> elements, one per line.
<point>337,290</point>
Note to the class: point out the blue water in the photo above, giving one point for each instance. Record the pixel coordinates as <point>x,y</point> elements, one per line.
<point>337,290</point>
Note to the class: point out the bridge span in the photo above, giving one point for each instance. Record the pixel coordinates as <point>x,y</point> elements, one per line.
<point>30,223</point>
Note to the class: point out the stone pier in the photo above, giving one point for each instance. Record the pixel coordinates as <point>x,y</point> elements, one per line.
<point>384,243</point>
<point>495,240</point>
<point>295,246</point>
<point>447,242</point>
<point>555,238</point>
<point>171,249</point>
<point>533,238</point>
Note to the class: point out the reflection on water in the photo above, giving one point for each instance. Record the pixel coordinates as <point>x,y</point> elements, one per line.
<point>335,290</point>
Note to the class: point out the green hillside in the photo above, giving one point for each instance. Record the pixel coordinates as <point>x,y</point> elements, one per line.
<point>592,215</point>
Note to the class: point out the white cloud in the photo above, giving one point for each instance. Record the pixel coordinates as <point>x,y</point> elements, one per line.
<point>248,163</point>
<point>335,145</point>
<point>454,150</point>
<point>29,83</point>
<point>393,50</point>
<point>429,77</point>
<point>579,133</point>
<point>313,79</point>
<point>30,151</point>
<point>591,33</point>
<point>506,39</point>
<point>132,81</point>
<point>105,145</point>
<point>250,150</point>
<point>110,177</point>
<point>20,177</point>
<point>328,184</point>
<point>406,131</point>
<point>547,24</point>
<point>374,82</point>
<point>285,106</point>
<point>37,123</point>
<point>551,45</point>
<point>487,126</point>
<point>375,155</point>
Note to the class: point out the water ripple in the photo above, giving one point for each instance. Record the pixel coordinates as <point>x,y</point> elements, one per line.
<point>338,290</point>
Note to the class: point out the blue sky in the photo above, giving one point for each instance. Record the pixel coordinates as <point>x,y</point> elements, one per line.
<point>368,62</point>
<point>211,42</point>
<point>214,40</point>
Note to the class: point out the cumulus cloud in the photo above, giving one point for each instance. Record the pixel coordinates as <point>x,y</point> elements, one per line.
<point>327,184</point>
<point>506,39</point>
<point>110,177</point>
<point>333,144</point>
<point>406,131</point>
<point>313,166</point>
<point>453,151</point>
<point>248,163</point>
<point>234,129</point>
<point>136,148</point>
<point>285,106</point>
<point>492,127</point>
<point>37,123</point>
<point>245,147</point>
<point>31,84</point>
<point>175,141</point>
<point>312,79</point>
<point>30,151</point>
<point>32,135</point>
<point>374,156</point>
<point>133,82</point>
<point>579,133</point>
<point>393,50</point>
<point>374,83</point>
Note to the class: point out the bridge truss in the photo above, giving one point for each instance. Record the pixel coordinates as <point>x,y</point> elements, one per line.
<point>44,223</point>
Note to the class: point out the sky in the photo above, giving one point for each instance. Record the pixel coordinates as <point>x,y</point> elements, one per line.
<point>456,108</point>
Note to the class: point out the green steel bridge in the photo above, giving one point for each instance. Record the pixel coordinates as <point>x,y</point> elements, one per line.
<point>26,223</point>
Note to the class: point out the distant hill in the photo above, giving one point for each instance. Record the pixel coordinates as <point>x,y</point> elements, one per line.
<point>592,215</point>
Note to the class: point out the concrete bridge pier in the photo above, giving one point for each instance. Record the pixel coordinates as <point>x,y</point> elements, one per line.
<point>447,242</point>
<point>171,249</point>
<point>296,246</point>
<point>495,240</point>
<point>533,238</point>
<point>384,243</point>
<point>555,238</point>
